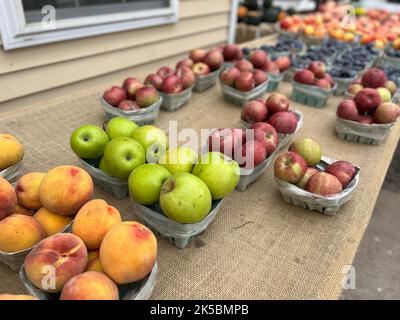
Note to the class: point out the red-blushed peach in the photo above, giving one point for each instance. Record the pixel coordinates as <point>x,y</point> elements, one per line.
<point>90,285</point>
<point>94,263</point>
<point>51,222</point>
<point>27,190</point>
<point>13,297</point>
<point>55,260</point>
<point>12,151</point>
<point>8,199</point>
<point>18,232</point>
<point>24,211</point>
<point>93,221</point>
<point>128,252</point>
<point>65,190</point>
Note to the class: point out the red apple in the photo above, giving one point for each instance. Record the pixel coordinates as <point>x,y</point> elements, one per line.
<point>172,84</point>
<point>132,85</point>
<point>347,109</point>
<point>254,111</point>
<point>154,80</point>
<point>232,52</point>
<point>214,59</point>
<point>197,55</point>
<point>244,65</point>
<point>260,77</point>
<point>271,67</point>
<point>229,76</point>
<point>165,72</point>
<point>318,68</point>
<point>185,63</point>
<point>373,78</point>
<point>342,170</point>
<point>258,58</point>
<point>324,184</point>
<point>309,173</point>
<point>366,119</point>
<point>323,83</point>
<point>290,167</point>
<point>187,76</point>
<point>227,141</point>
<point>267,133</point>
<point>245,81</point>
<point>147,96</point>
<point>367,100</point>
<point>200,69</point>
<point>283,63</point>
<point>386,113</point>
<point>115,95</point>
<point>254,152</point>
<point>304,76</point>
<point>277,103</point>
<point>284,122</point>
<point>129,105</point>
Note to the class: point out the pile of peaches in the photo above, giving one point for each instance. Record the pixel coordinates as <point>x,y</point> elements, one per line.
<point>370,100</point>
<point>89,263</point>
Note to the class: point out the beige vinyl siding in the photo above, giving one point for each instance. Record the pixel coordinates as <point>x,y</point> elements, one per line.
<point>203,23</point>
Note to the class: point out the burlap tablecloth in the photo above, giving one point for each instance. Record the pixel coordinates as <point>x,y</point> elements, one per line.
<point>258,247</point>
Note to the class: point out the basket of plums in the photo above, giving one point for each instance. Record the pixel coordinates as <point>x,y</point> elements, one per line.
<point>368,116</point>
<point>274,111</point>
<point>309,180</point>
<point>313,86</point>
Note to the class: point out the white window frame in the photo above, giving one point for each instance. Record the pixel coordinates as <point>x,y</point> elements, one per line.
<point>17,33</point>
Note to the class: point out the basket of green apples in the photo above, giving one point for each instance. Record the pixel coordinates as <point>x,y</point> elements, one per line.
<point>179,197</point>
<point>309,180</point>
<point>275,112</point>
<point>111,155</point>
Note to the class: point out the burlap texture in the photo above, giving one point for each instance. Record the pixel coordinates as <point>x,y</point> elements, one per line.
<point>258,247</point>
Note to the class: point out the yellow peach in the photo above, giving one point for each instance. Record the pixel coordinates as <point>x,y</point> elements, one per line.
<point>51,222</point>
<point>93,221</point>
<point>94,263</point>
<point>12,151</point>
<point>27,190</point>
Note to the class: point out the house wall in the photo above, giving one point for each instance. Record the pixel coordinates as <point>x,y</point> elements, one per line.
<point>34,70</point>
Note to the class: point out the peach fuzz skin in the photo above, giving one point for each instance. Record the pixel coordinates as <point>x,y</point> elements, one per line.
<point>27,190</point>
<point>51,222</point>
<point>65,190</point>
<point>12,151</point>
<point>65,252</point>
<point>18,232</point>
<point>90,285</point>
<point>94,263</point>
<point>8,199</point>
<point>93,221</point>
<point>128,252</point>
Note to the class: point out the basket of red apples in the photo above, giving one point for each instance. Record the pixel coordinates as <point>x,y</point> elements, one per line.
<point>273,68</point>
<point>309,180</point>
<point>275,111</point>
<point>376,79</point>
<point>252,149</point>
<point>313,86</point>
<point>365,118</point>
<point>174,86</point>
<point>133,100</point>
<point>206,67</point>
<point>242,83</point>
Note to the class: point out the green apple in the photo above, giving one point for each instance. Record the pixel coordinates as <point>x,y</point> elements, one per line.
<point>120,127</point>
<point>185,198</point>
<point>220,173</point>
<point>309,149</point>
<point>103,166</point>
<point>122,155</point>
<point>89,141</point>
<point>385,94</point>
<point>145,183</point>
<point>154,141</point>
<point>179,160</point>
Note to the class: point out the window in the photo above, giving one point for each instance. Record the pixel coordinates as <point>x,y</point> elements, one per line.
<point>32,22</point>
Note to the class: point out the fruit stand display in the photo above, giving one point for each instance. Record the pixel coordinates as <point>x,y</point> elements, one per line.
<point>282,245</point>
